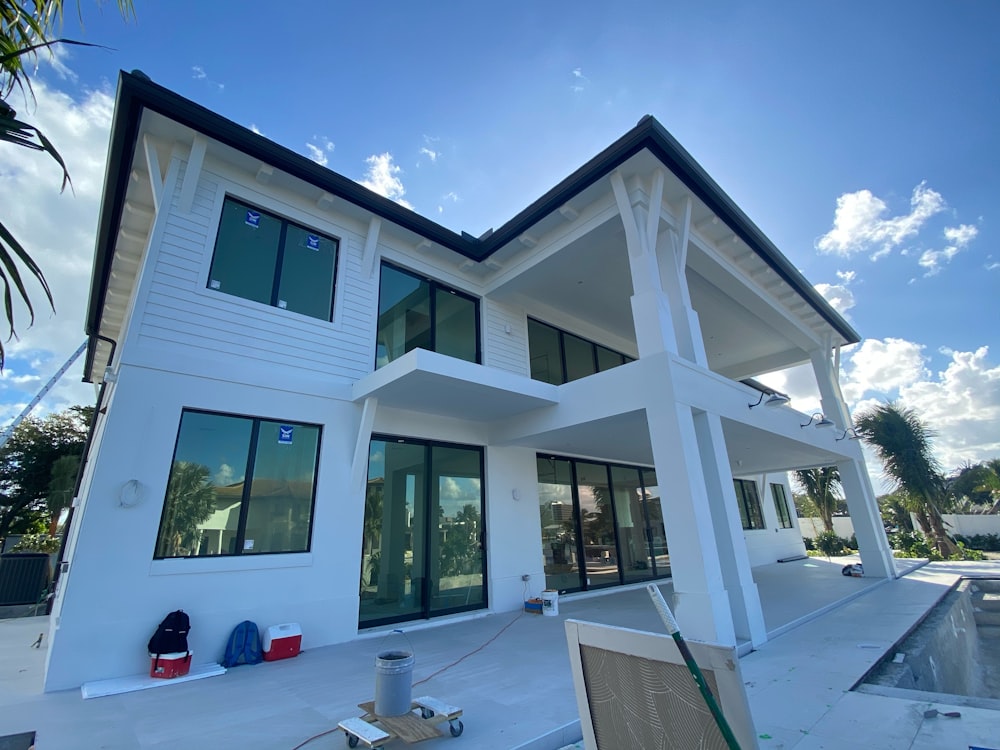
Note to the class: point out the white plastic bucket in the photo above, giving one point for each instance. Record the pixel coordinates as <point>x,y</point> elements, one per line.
<point>550,602</point>
<point>393,683</point>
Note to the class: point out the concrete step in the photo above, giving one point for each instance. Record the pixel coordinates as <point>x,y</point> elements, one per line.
<point>986,602</point>
<point>986,618</point>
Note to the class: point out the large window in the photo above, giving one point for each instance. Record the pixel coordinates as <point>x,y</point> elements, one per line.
<point>263,258</point>
<point>239,486</point>
<point>749,503</point>
<point>602,525</point>
<point>415,312</point>
<point>422,546</point>
<point>558,357</point>
<point>781,505</point>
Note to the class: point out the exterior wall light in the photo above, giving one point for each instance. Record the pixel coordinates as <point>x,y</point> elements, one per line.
<point>819,419</point>
<point>775,399</point>
<point>850,434</point>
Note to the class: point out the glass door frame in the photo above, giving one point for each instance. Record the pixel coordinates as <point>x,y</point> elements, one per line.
<point>428,494</point>
<point>643,472</point>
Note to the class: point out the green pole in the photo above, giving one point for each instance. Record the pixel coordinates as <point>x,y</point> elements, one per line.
<point>668,619</point>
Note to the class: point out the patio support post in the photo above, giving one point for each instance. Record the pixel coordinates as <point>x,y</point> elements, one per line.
<point>700,602</point>
<point>876,555</point>
<point>744,599</point>
<point>661,302</point>
<point>828,381</point>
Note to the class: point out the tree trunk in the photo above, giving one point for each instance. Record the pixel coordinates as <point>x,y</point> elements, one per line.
<point>944,543</point>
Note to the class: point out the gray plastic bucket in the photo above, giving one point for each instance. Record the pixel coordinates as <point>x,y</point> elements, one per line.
<point>393,683</point>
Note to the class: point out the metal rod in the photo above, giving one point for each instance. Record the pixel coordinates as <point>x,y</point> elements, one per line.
<point>668,619</point>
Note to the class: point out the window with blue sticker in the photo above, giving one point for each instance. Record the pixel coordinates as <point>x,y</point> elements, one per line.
<point>239,486</point>
<point>262,257</point>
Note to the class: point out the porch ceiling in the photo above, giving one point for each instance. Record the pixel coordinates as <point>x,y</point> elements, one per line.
<point>588,282</point>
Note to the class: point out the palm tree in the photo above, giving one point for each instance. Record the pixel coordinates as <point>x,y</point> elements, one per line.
<point>820,486</point>
<point>26,26</point>
<point>903,443</point>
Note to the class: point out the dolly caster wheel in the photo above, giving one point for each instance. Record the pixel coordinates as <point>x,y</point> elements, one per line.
<point>456,727</point>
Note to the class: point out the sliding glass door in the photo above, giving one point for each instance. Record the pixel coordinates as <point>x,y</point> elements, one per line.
<point>422,546</point>
<point>601,524</point>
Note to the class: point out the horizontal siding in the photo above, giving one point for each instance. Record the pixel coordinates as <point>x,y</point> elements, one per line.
<point>180,313</point>
<point>502,350</point>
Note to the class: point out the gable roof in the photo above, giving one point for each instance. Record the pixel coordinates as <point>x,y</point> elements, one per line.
<point>136,93</point>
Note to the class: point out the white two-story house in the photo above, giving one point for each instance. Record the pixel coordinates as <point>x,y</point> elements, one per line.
<point>317,406</point>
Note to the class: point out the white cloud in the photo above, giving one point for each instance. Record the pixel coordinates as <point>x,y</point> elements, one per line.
<point>318,153</point>
<point>882,366</point>
<point>959,237</point>
<point>58,230</point>
<point>838,295</point>
<point>382,177</point>
<point>847,276</point>
<point>429,153</point>
<point>199,74</point>
<point>580,81</point>
<point>255,129</point>
<point>960,404</point>
<point>860,225</point>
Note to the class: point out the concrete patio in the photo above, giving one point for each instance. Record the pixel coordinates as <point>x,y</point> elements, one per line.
<point>515,686</point>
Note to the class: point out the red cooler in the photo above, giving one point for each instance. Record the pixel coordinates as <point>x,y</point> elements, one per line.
<point>170,665</point>
<point>282,641</point>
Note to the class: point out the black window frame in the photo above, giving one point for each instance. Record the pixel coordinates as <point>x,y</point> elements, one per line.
<point>279,258</point>
<point>426,612</point>
<point>434,286</point>
<point>562,334</point>
<point>247,486</point>
<point>780,498</point>
<point>751,511</point>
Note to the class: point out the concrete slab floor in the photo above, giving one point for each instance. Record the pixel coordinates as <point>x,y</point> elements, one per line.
<point>514,682</point>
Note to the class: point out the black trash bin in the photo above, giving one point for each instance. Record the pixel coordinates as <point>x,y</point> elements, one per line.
<point>23,577</point>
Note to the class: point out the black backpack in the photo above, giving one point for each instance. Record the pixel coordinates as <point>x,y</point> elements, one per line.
<point>171,635</point>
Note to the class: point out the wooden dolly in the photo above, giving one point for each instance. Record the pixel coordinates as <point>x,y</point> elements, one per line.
<point>375,731</point>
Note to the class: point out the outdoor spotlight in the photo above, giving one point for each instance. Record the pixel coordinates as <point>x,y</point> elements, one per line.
<point>775,399</point>
<point>819,420</point>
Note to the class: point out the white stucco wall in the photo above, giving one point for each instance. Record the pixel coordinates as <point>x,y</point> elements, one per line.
<point>768,545</point>
<point>114,593</point>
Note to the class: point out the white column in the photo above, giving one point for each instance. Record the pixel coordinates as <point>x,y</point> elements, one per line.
<point>744,599</point>
<point>661,303</point>
<point>829,386</point>
<point>700,601</point>
<point>876,555</point>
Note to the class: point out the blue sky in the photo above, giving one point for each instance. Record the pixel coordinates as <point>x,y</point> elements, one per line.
<point>861,137</point>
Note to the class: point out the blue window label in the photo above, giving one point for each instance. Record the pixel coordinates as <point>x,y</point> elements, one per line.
<point>312,242</point>
<point>253,219</point>
<point>285,434</point>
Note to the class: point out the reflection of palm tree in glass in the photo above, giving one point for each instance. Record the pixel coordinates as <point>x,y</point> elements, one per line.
<point>460,552</point>
<point>598,525</point>
<point>371,539</point>
<point>190,502</point>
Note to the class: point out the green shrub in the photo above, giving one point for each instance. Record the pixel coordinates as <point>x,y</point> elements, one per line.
<point>967,554</point>
<point>37,543</point>
<point>913,544</point>
<point>984,542</point>
<point>829,543</point>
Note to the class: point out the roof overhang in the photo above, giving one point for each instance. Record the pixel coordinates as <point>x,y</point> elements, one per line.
<point>137,95</point>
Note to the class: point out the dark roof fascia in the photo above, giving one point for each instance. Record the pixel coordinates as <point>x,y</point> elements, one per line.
<point>136,93</point>
<point>650,134</point>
